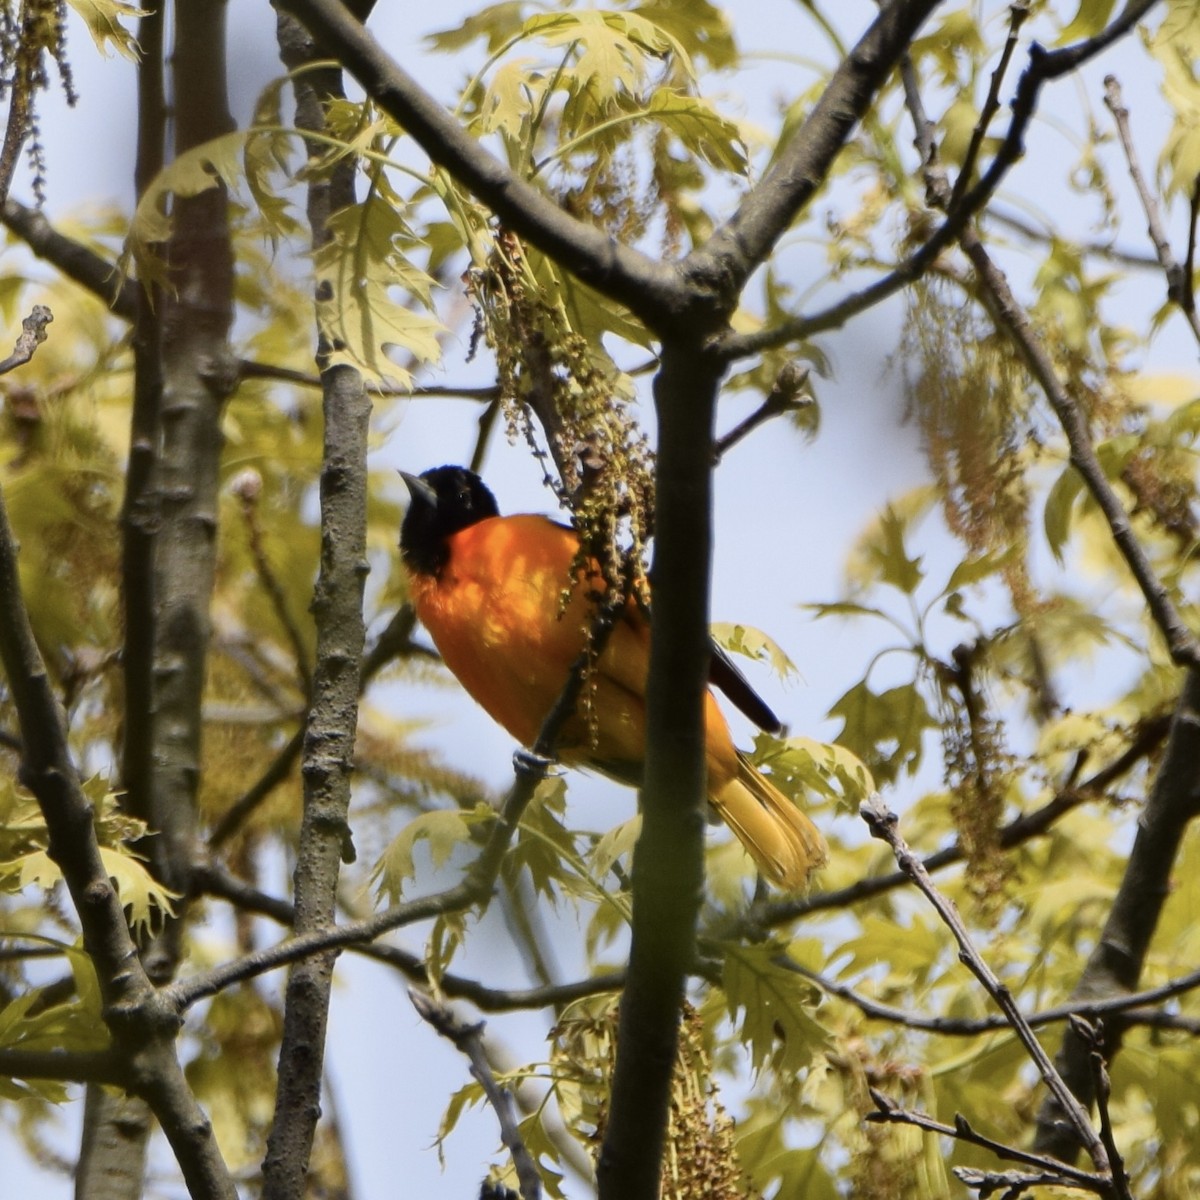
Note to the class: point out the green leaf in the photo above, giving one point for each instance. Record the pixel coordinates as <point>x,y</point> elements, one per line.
<point>884,729</point>
<point>1060,509</point>
<point>467,1096</point>
<point>880,555</point>
<point>144,897</point>
<point>845,608</point>
<point>800,764</point>
<point>775,1026</point>
<point>103,21</point>
<point>356,272</point>
<point>141,894</point>
<point>1091,17</point>
<point>616,843</point>
<point>496,25</point>
<point>612,46</point>
<point>544,845</point>
<point>973,570</point>
<point>753,643</point>
<point>702,130</point>
<point>194,172</point>
<point>443,829</point>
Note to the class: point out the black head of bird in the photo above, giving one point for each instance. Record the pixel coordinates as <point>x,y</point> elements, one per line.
<point>444,500</point>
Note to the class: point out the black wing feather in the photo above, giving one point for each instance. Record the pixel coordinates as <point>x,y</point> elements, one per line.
<point>724,674</point>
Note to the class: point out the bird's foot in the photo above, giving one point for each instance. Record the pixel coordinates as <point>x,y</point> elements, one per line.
<point>526,762</point>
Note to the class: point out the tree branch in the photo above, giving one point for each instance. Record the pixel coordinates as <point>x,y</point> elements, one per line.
<point>78,262</point>
<point>652,291</point>
<point>142,1023</point>
<point>1044,66</point>
<point>668,867</point>
<point>789,394</point>
<point>768,210</point>
<point>1179,284</point>
<point>1132,1007</point>
<point>1115,964</point>
<point>70,1066</point>
<point>1021,829</point>
<point>883,825</point>
<point>33,334</point>
<point>1051,1172</point>
<point>468,1040</point>
<point>215,881</point>
<point>249,368</point>
<point>328,750</point>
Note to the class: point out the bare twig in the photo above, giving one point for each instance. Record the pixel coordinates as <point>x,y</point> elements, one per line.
<point>248,488</point>
<point>883,825</point>
<point>1021,829</point>
<point>1011,317</point>
<point>789,394</point>
<point>33,334</point>
<point>1011,1183</point>
<point>1179,285</point>
<point>394,642</point>
<point>1188,300</point>
<point>1100,249</point>
<point>249,368</point>
<point>1132,1007</point>
<point>468,1040</point>
<point>246,804</point>
<point>888,1111</point>
<point>1044,66</point>
<point>72,1066</point>
<point>77,261</point>
<point>1018,11</point>
<point>213,880</point>
<point>1093,1037</point>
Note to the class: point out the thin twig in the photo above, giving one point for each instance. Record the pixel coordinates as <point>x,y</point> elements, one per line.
<point>789,394</point>
<point>1100,249</point>
<point>1093,1038</point>
<point>1012,318</point>
<point>883,825</point>
<point>1148,737</point>
<point>888,1111</point>
<point>1011,1183</point>
<point>394,642</point>
<point>1018,11</point>
<point>468,1040</point>
<point>248,488</point>
<point>1188,300</point>
<point>1044,66</point>
<point>1132,1007</point>
<point>33,334</point>
<point>1179,289</point>
<point>213,880</point>
<point>249,368</point>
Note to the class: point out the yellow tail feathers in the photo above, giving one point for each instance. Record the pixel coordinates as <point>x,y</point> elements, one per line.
<point>779,837</point>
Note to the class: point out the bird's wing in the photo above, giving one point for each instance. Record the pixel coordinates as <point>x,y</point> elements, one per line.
<point>724,674</point>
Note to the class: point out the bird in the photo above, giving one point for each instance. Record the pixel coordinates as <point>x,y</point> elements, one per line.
<point>495,593</point>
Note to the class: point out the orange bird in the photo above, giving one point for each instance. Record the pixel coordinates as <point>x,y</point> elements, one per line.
<point>490,591</point>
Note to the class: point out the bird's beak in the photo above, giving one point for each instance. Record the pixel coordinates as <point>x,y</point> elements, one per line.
<point>419,490</point>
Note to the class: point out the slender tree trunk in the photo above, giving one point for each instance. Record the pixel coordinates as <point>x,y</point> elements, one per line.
<point>183,375</point>
<point>333,711</point>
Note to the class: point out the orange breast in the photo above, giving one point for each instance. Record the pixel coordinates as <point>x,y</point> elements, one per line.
<point>497,617</point>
